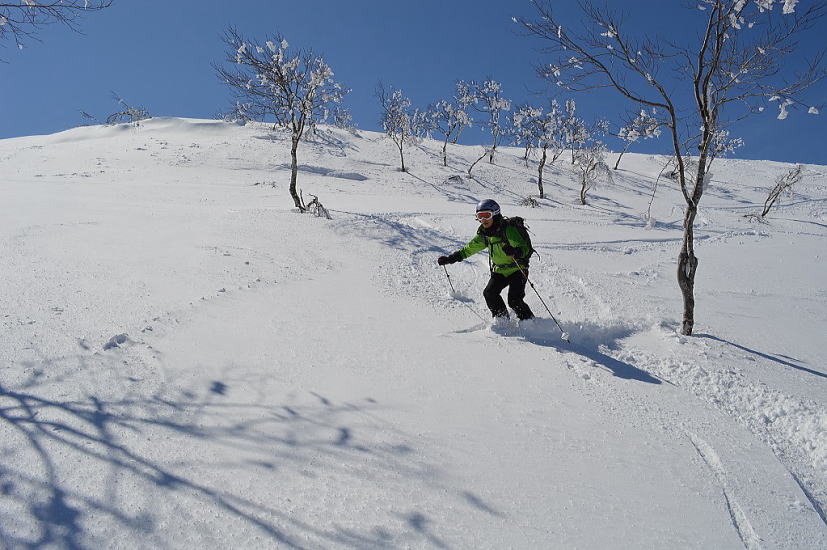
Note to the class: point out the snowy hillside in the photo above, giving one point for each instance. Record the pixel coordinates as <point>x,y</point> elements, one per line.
<point>187,362</point>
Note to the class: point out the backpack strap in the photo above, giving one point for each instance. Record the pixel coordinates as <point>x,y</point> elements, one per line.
<point>500,233</point>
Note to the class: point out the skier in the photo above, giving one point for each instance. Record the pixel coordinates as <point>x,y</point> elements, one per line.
<point>508,251</point>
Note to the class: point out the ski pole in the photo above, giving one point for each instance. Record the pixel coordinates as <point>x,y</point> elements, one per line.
<point>455,294</point>
<point>449,279</point>
<point>563,334</point>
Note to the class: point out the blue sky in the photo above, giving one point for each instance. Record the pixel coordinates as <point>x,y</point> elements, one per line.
<point>159,57</point>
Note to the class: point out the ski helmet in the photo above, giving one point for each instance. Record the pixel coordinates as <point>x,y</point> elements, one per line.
<point>488,205</point>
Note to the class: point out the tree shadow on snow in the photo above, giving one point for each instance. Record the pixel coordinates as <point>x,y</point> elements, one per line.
<point>773,358</point>
<point>391,232</point>
<point>78,471</point>
<point>587,340</point>
<point>327,172</point>
<point>327,139</point>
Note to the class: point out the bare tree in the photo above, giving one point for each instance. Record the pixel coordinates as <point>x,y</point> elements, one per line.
<point>574,128</point>
<point>550,132</point>
<point>24,18</point>
<point>591,166</point>
<point>543,131</point>
<point>741,57</point>
<point>400,123</point>
<point>297,91</point>
<point>783,185</point>
<point>450,117</point>
<point>465,98</point>
<point>129,114</point>
<point>491,102</point>
<point>524,128</point>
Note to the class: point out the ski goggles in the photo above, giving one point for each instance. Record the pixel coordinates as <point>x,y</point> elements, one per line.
<point>484,215</point>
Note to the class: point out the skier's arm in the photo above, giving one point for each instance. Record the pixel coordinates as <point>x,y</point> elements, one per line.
<point>477,244</point>
<point>516,247</point>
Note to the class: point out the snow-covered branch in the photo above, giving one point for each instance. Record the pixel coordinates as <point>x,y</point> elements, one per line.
<point>296,90</point>
<point>450,117</point>
<point>490,101</point>
<point>743,55</point>
<point>403,125</point>
<point>23,19</point>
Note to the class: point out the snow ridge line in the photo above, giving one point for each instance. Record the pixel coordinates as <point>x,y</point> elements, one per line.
<point>739,519</point>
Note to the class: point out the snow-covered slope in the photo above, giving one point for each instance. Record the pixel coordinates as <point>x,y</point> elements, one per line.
<point>189,362</point>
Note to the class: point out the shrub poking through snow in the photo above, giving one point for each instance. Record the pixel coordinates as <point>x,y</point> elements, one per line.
<point>783,186</point>
<point>315,207</point>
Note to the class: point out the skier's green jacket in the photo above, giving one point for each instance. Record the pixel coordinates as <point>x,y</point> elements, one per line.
<point>494,238</point>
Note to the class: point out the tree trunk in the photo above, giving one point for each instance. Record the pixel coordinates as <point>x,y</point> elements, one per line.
<point>540,173</point>
<point>773,196</point>
<point>491,154</point>
<point>475,162</point>
<point>456,137</point>
<point>621,154</point>
<point>402,156</point>
<point>687,265</point>
<point>583,189</point>
<point>687,261</point>
<point>445,152</point>
<point>294,172</point>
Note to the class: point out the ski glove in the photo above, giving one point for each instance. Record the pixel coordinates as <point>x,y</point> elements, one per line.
<point>511,251</point>
<point>453,258</point>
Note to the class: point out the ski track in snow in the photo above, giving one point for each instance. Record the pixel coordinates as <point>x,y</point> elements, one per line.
<point>582,277</point>
<point>793,428</point>
<point>739,519</point>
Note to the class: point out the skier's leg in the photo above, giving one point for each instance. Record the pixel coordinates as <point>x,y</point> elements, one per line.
<point>492,291</point>
<point>516,294</point>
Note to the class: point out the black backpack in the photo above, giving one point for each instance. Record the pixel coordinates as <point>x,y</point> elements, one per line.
<point>519,224</point>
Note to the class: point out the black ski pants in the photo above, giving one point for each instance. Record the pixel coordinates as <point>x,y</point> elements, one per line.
<point>516,292</point>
